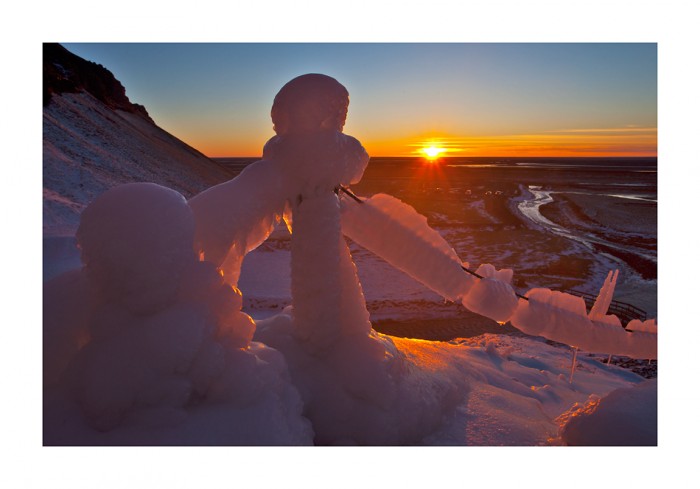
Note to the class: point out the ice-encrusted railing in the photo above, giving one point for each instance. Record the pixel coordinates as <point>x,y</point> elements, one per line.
<point>625,311</point>
<point>558,316</point>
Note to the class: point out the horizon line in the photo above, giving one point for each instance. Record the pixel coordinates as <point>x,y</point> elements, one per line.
<point>480,156</point>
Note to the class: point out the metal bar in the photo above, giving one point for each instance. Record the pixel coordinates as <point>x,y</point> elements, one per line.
<point>350,193</point>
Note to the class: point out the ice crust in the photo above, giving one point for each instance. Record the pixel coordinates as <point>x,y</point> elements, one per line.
<point>492,296</point>
<point>397,233</point>
<point>648,326</point>
<point>562,317</point>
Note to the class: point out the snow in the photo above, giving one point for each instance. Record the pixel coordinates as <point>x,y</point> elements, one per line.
<point>625,417</point>
<point>504,390</point>
<point>89,148</point>
<point>146,342</point>
<point>138,270</point>
<point>146,345</point>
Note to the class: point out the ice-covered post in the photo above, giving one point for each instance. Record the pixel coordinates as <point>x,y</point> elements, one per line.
<point>315,157</point>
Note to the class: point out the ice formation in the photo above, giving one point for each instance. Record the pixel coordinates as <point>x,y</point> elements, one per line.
<point>146,344</point>
<point>351,379</point>
<point>648,326</point>
<point>562,317</point>
<point>602,302</point>
<point>394,231</point>
<point>492,296</point>
<point>397,233</point>
<point>142,272</point>
<point>296,179</point>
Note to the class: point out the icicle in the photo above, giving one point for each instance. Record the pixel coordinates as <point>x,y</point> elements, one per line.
<point>573,365</point>
<point>602,302</point>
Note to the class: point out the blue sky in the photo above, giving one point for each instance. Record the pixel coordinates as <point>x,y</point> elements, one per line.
<point>217,97</point>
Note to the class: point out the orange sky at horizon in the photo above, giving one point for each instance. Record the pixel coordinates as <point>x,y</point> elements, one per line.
<point>608,142</point>
<point>471,99</point>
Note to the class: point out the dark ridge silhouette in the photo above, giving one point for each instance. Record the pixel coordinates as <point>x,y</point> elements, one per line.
<point>66,72</point>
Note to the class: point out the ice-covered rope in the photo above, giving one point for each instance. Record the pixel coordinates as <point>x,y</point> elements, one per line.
<point>354,197</point>
<point>398,234</point>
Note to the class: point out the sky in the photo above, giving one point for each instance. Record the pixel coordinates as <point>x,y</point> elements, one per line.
<point>467,99</point>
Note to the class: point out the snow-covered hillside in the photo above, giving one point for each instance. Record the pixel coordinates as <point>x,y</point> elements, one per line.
<point>92,143</point>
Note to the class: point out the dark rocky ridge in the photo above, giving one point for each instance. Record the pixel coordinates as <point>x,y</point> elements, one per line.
<point>94,139</point>
<point>66,72</point>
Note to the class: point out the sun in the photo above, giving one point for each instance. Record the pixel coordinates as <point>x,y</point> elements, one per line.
<point>432,152</point>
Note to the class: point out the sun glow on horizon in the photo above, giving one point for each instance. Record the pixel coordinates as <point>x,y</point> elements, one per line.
<point>432,152</point>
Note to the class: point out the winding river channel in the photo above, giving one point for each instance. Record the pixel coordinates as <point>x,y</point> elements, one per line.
<point>530,209</point>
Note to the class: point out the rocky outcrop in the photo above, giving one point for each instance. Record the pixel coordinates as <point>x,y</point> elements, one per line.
<point>66,72</point>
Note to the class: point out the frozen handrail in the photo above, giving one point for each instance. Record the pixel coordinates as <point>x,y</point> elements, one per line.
<point>354,197</point>
<point>382,223</point>
<point>621,309</point>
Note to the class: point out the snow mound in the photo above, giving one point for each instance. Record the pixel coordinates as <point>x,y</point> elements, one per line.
<point>625,417</point>
<point>145,345</point>
<point>135,242</point>
<point>367,390</point>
